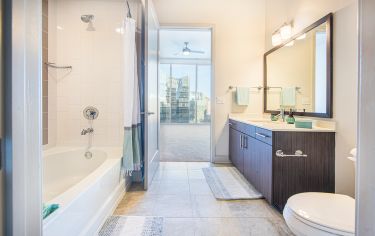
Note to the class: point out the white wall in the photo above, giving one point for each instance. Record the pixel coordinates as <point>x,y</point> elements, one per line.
<point>95,79</point>
<point>301,13</point>
<point>304,13</point>
<point>237,54</point>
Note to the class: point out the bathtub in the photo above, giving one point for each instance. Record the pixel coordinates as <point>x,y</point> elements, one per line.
<point>87,190</point>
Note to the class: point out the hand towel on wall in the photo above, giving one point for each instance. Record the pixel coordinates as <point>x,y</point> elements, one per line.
<point>242,96</point>
<point>132,120</point>
<point>288,97</point>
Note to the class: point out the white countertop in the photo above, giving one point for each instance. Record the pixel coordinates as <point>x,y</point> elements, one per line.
<point>318,125</point>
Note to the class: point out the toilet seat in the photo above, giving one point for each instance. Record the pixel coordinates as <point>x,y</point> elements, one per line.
<point>320,214</point>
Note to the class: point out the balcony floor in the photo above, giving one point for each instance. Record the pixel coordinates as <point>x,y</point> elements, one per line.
<point>179,142</point>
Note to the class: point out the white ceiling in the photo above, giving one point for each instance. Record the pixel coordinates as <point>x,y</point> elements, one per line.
<point>172,42</point>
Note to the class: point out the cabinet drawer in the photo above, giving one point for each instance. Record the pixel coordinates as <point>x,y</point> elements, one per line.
<point>263,135</point>
<point>242,127</point>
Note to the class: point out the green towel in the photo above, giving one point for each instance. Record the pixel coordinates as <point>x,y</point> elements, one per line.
<point>131,159</point>
<point>288,97</point>
<point>48,209</point>
<point>242,96</point>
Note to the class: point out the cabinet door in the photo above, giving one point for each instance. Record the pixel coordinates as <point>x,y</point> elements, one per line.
<point>265,169</point>
<point>259,167</point>
<point>248,156</point>
<point>235,150</point>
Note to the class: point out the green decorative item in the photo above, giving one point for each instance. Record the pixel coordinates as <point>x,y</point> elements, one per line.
<point>274,117</point>
<point>306,124</point>
<point>290,119</point>
<point>49,209</point>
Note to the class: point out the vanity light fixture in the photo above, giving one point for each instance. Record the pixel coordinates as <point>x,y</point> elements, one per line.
<point>286,31</point>
<point>303,36</point>
<point>276,39</point>
<point>291,43</point>
<point>282,34</point>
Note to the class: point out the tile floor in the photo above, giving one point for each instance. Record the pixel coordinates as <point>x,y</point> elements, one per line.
<point>180,194</point>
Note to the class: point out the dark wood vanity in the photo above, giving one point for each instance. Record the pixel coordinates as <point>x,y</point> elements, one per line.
<point>253,151</point>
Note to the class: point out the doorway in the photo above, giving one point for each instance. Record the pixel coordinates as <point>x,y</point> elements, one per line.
<point>185,82</point>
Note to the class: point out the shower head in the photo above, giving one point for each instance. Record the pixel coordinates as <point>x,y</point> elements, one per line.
<point>88,19</point>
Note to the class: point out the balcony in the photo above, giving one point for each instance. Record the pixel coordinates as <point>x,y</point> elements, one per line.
<point>185,142</point>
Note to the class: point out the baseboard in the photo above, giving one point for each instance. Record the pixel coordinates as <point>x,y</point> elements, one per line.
<point>221,159</point>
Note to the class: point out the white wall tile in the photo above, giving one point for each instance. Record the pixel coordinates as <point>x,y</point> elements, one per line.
<point>96,76</point>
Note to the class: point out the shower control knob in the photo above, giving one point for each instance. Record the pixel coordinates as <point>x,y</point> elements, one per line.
<point>90,113</point>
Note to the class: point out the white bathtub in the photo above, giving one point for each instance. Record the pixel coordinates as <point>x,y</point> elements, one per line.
<point>87,190</point>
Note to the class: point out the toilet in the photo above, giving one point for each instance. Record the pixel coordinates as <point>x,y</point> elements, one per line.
<point>321,214</point>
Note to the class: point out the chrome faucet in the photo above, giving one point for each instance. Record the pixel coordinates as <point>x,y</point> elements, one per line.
<point>282,113</point>
<point>87,131</point>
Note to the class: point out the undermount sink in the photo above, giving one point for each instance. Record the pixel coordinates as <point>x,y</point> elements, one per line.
<point>272,124</point>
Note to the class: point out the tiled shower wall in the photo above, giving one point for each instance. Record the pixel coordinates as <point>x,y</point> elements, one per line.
<point>45,71</point>
<point>96,77</point>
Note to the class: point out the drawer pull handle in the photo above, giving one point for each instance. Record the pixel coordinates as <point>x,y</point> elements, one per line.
<point>262,135</point>
<point>298,153</point>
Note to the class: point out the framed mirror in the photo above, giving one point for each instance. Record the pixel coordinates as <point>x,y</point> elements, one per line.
<point>298,73</point>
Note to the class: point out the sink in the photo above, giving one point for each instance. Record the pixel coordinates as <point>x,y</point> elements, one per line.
<point>268,124</point>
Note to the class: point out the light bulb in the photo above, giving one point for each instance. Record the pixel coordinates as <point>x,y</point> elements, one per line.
<point>301,37</point>
<point>276,39</point>
<point>186,53</point>
<point>286,31</point>
<point>290,44</point>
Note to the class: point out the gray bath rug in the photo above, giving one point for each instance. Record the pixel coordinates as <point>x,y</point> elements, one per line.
<point>132,226</point>
<point>227,183</point>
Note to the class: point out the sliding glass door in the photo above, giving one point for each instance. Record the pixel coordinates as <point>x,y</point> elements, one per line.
<point>185,112</point>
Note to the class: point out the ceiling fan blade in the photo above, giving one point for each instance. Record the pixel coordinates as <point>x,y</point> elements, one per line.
<point>199,52</point>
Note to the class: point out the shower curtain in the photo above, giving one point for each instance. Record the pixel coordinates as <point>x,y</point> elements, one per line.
<point>132,152</point>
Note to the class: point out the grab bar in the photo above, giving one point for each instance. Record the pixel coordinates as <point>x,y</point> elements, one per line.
<point>53,65</point>
<point>298,153</point>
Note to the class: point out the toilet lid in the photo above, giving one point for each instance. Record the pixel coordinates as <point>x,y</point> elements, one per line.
<point>333,211</point>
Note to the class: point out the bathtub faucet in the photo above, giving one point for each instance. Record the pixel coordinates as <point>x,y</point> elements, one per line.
<point>87,131</point>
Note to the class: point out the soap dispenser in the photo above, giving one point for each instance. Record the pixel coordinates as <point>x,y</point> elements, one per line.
<point>290,119</point>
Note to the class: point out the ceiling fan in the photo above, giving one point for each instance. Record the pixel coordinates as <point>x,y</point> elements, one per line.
<point>186,51</point>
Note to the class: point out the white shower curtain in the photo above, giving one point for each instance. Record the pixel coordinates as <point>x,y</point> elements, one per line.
<point>132,120</point>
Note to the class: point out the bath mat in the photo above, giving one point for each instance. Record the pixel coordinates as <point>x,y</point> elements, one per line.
<point>227,183</point>
<point>132,226</point>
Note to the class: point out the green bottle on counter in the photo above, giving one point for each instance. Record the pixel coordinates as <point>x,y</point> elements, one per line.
<point>290,119</point>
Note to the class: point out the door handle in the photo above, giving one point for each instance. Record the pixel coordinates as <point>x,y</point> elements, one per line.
<point>261,135</point>
<point>147,113</point>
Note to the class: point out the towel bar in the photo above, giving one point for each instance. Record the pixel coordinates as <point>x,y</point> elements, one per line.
<point>256,87</point>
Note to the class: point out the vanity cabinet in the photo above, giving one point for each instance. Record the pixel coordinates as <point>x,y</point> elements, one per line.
<point>252,151</point>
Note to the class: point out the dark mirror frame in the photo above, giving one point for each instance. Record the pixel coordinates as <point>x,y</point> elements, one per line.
<point>328,19</point>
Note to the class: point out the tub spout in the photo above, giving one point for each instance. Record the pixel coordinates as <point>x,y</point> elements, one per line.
<point>87,131</point>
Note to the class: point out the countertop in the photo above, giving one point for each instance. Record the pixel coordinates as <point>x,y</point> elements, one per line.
<point>318,126</point>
